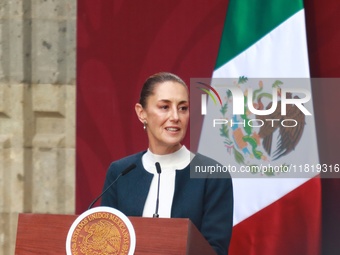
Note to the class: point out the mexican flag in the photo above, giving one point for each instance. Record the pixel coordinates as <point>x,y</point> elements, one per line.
<point>275,212</point>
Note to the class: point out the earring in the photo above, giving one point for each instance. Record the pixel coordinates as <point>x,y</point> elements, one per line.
<point>144,125</point>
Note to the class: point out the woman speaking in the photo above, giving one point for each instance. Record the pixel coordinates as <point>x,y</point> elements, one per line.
<point>163,110</point>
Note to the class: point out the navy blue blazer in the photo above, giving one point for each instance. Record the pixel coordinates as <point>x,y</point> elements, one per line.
<point>207,202</point>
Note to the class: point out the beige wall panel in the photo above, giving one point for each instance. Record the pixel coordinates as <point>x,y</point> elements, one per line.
<point>37,111</point>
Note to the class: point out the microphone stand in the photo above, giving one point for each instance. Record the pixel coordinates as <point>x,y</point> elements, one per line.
<point>158,167</point>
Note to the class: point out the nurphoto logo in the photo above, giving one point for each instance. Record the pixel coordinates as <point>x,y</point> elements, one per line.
<point>238,96</point>
<point>259,121</point>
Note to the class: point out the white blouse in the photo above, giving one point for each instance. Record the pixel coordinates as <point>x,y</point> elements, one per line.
<point>169,164</point>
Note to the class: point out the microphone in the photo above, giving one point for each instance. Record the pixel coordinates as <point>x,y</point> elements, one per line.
<point>124,172</point>
<point>158,168</point>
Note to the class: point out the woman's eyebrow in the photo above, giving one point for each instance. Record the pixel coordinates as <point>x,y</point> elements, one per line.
<point>169,101</point>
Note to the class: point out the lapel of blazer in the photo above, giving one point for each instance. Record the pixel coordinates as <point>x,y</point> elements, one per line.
<point>181,180</point>
<point>137,189</point>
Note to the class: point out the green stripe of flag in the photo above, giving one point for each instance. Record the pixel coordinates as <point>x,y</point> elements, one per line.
<point>249,20</point>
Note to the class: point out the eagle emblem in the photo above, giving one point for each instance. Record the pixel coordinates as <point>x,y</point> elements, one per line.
<point>262,138</point>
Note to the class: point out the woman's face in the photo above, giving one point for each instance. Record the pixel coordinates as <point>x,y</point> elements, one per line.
<point>167,116</point>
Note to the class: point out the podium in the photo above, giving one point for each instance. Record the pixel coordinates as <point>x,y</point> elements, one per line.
<point>46,234</point>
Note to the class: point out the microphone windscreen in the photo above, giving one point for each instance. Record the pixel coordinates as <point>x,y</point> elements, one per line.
<point>129,168</point>
<point>158,167</point>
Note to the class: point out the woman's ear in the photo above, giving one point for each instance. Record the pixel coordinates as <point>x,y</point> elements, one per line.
<point>140,113</point>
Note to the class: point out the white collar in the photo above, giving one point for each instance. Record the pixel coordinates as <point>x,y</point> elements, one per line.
<point>177,160</point>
